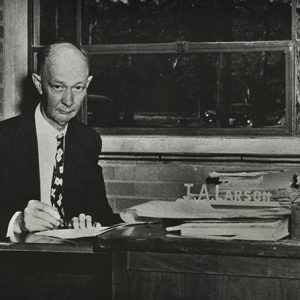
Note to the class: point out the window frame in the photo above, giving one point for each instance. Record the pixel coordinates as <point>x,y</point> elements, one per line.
<point>289,47</point>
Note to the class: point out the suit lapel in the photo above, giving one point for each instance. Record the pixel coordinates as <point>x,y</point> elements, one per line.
<point>26,153</point>
<point>75,165</point>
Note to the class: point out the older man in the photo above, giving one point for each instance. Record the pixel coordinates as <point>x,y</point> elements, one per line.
<point>49,171</point>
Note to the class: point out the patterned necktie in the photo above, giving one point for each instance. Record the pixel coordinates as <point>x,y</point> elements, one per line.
<point>57,179</point>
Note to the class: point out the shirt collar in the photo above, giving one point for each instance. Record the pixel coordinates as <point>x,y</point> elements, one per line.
<point>44,127</point>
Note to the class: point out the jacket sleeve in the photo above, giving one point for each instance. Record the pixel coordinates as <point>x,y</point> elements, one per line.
<point>98,206</point>
<point>7,207</point>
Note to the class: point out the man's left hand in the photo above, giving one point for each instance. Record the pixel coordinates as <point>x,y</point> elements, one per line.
<point>83,221</point>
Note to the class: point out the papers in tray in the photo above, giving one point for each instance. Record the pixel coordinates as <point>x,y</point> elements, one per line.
<point>199,219</point>
<point>198,209</point>
<point>258,230</point>
<point>280,184</point>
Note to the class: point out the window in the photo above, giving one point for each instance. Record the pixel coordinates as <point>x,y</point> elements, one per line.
<point>181,66</point>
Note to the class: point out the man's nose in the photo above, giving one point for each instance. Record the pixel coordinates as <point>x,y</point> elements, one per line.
<point>68,98</point>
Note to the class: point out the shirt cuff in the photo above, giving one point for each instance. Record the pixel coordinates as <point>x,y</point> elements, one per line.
<point>11,224</point>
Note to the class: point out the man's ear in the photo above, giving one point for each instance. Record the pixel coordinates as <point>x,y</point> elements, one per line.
<point>89,81</point>
<point>37,82</point>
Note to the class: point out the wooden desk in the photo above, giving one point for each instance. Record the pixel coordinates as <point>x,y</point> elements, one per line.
<point>148,264</point>
<point>39,266</point>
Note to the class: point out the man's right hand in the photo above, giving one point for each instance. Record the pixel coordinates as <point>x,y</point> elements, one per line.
<point>37,216</point>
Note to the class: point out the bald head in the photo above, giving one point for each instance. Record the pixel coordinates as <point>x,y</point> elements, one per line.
<point>59,52</point>
<point>62,82</point>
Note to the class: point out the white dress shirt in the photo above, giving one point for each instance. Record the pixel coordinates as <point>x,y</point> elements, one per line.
<point>47,144</point>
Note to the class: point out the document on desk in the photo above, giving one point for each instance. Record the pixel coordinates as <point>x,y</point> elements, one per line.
<point>76,233</point>
<point>170,209</point>
<point>197,209</point>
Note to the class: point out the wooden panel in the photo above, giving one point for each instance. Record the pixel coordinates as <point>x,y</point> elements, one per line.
<point>274,161</point>
<point>36,24</point>
<point>119,276</point>
<point>189,47</point>
<point>78,22</point>
<point>215,264</point>
<point>248,288</point>
<point>56,262</point>
<point>294,20</point>
<point>290,97</point>
<point>33,275</point>
<point>184,131</point>
<point>158,286</point>
<point>153,238</point>
<point>161,286</point>
<point>16,55</point>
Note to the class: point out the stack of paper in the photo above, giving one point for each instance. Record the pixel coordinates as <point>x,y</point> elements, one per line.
<point>199,209</point>
<point>200,219</point>
<point>259,230</point>
<point>278,183</point>
<point>231,205</point>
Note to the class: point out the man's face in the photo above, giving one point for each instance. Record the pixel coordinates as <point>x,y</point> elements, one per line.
<point>62,84</point>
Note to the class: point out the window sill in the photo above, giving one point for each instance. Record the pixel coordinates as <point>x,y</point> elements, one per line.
<point>192,145</point>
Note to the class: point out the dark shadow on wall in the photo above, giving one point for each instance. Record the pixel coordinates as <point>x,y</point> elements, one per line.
<point>30,95</point>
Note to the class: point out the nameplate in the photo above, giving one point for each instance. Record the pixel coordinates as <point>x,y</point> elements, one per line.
<point>232,197</point>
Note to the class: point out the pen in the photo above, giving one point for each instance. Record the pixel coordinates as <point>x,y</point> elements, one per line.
<point>63,221</point>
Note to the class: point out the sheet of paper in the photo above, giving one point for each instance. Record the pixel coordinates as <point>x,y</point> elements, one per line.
<point>81,233</point>
<point>72,233</point>
<point>197,209</point>
<point>172,209</point>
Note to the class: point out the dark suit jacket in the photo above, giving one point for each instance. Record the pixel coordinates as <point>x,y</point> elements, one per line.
<point>84,190</point>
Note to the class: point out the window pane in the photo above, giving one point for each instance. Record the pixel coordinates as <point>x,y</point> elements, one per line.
<point>144,21</point>
<point>196,91</point>
<point>57,21</point>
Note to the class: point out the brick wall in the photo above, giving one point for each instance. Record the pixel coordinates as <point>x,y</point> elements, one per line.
<point>133,182</point>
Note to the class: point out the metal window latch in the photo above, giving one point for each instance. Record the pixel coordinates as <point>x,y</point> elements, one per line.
<point>295,184</point>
